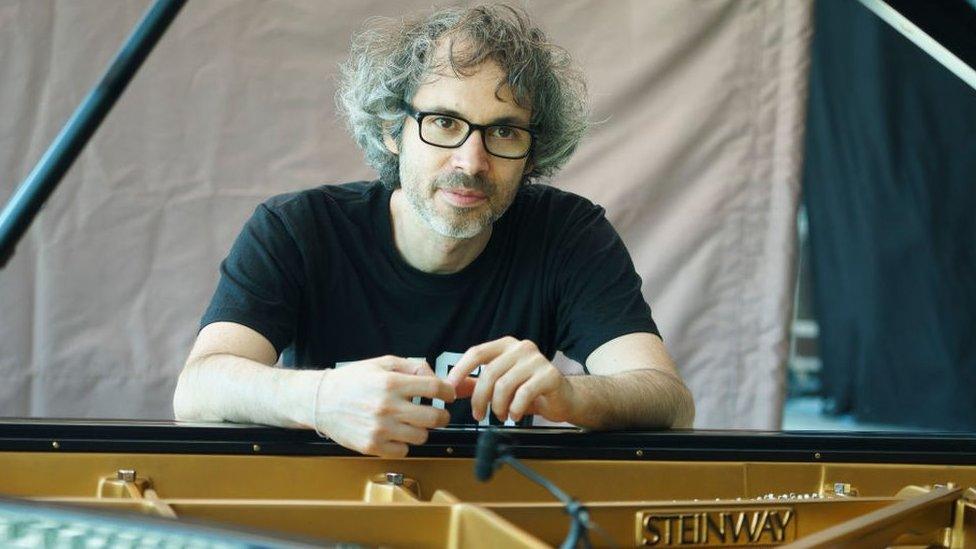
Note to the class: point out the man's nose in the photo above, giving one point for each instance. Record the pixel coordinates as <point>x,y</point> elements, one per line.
<point>472,157</point>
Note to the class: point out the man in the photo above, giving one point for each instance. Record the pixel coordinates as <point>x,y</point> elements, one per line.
<point>455,258</point>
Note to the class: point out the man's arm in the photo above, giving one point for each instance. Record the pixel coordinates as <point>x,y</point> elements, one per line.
<point>365,406</point>
<point>229,376</point>
<point>635,385</point>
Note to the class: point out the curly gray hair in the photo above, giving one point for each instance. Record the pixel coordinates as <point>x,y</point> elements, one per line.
<point>390,59</point>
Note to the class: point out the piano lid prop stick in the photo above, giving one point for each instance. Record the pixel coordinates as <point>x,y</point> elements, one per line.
<point>42,180</point>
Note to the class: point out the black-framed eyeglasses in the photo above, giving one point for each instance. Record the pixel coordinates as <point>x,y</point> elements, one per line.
<point>450,132</point>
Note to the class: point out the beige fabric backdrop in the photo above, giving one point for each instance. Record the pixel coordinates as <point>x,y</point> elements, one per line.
<point>696,161</point>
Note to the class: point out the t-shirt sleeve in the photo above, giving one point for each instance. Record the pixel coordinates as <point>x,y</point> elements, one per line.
<point>599,291</point>
<point>261,280</point>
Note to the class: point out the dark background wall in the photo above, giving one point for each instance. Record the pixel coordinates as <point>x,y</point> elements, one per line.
<point>889,185</point>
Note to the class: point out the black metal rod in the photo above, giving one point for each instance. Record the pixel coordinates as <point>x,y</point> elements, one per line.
<point>529,473</point>
<point>30,196</point>
<point>579,517</point>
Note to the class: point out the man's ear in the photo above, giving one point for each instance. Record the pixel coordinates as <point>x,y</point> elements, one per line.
<point>391,144</point>
<point>529,164</point>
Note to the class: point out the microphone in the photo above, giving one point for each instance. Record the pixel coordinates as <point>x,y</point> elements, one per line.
<point>491,452</point>
<point>486,455</point>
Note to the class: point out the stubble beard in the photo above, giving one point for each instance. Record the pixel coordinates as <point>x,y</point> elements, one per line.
<point>460,223</point>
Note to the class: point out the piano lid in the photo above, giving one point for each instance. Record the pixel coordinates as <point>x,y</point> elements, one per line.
<point>945,29</point>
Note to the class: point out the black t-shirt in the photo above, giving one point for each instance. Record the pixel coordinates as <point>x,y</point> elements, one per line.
<point>317,273</point>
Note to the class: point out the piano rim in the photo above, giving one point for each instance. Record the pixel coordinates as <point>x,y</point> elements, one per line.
<point>119,436</point>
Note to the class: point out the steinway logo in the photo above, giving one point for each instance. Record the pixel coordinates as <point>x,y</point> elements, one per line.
<point>702,527</point>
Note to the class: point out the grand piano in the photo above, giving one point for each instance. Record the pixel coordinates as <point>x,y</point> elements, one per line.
<point>88,483</point>
<point>664,489</point>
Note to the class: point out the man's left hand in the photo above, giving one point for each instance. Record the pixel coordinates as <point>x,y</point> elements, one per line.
<point>515,378</point>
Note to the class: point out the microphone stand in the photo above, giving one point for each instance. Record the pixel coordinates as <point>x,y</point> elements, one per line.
<point>580,517</point>
<point>41,182</point>
<point>492,452</point>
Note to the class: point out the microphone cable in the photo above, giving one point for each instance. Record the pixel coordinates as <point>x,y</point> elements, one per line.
<point>491,451</point>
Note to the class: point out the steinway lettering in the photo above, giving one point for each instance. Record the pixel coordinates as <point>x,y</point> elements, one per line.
<point>716,527</point>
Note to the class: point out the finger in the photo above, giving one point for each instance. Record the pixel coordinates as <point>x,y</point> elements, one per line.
<point>413,366</point>
<point>393,363</point>
<point>427,417</point>
<point>388,449</point>
<point>409,385</point>
<point>508,384</point>
<point>485,386</point>
<point>420,368</point>
<point>465,387</point>
<point>534,408</point>
<point>409,434</point>
<point>527,395</point>
<point>476,356</point>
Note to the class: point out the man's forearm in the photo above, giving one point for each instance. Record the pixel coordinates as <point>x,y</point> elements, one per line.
<point>224,387</point>
<point>637,399</point>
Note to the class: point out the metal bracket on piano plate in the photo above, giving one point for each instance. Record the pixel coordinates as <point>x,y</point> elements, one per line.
<point>391,488</point>
<point>126,485</point>
<point>836,490</point>
<point>964,513</point>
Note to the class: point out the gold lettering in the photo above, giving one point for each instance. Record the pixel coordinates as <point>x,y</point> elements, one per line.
<point>652,536</point>
<point>718,528</point>
<point>667,529</point>
<point>782,522</point>
<point>659,528</point>
<point>770,525</point>
<point>755,525</point>
<point>715,527</point>
<point>735,527</point>
<point>689,527</point>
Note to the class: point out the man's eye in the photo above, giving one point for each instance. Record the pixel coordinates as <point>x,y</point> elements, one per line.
<point>444,122</point>
<point>503,132</point>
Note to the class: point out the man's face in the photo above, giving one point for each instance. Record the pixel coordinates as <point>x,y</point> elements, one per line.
<point>460,192</point>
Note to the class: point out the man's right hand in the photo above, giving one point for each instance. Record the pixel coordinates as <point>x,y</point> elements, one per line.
<point>367,405</point>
